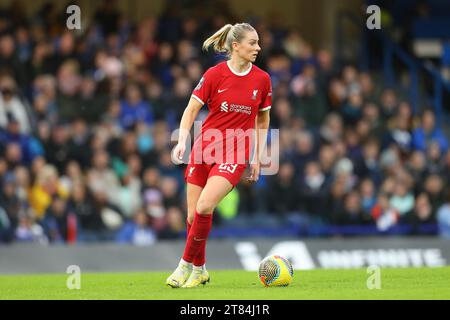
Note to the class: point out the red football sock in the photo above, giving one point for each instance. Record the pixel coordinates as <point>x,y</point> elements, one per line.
<point>196,240</point>
<point>188,228</point>
<point>200,258</point>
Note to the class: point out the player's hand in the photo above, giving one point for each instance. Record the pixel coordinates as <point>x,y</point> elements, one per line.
<point>254,172</point>
<point>178,153</point>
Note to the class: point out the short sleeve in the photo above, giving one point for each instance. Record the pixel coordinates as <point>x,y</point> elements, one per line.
<point>202,91</point>
<point>266,103</point>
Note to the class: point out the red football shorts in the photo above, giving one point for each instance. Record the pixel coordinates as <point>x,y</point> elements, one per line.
<point>198,174</point>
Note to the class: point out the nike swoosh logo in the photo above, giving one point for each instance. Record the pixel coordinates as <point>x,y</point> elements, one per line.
<point>220,91</point>
<point>195,239</point>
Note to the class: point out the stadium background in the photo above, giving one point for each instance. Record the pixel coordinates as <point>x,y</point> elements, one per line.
<point>86,117</point>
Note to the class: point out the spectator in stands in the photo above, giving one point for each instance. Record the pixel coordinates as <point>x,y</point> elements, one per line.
<point>332,129</point>
<point>443,218</point>
<point>282,195</point>
<point>10,207</point>
<point>308,101</point>
<point>351,211</point>
<point>390,161</point>
<point>101,178</point>
<point>175,226</point>
<point>80,138</point>
<point>313,190</point>
<point>137,231</point>
<point>68,82</point>
<point>400,130</point>
<point>367,164</point>
<point>327,160</point>
<point>46,187</point>
<point>325,69</point>
<point>106,220</point>
<point>177,101</point>
<point>44,104</point>
<point>12,107</point>
<point>353,144</point>
<point>160,66</point>
<point>81,204</point>
<point>111,118</point>
<point>363,129</point>
<point>42,110</point>
<point>56,147</point>
<point>30,231</point>
<point>416,167</point>
<point>93,101</point>
<point>55,222</point>
<point>64,50</point>
<point>402,199</point>
<point>282,113</point>
<point>446,166</point>
<point>337,93</point>
<point>367,85</point>
<point>155,96</point>
<point>30,147</point>
<point>72,175</point>
<point>169,190</point>
<point>433,158</point>
<point>134,109</point>
<point>351,111</point>
<point>368,194</point>
<point>168,168</point>
<point>371,114</point>
<point>388,104</point>
<point>350,77</point>
<point>9,61</point>
<point>23,184</point>
<point>5,227</point>
<point>129,195</point>
<point>344,173</point>
<point>427,132</point>
<point>434,187</point>
<point>383,214</point>
<point>304,150</point>
<point>40,62</point>
<point>422,215</point>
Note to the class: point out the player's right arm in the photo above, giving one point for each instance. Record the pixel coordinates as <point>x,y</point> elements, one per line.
<point>200,96</point>
<point>189,115</point>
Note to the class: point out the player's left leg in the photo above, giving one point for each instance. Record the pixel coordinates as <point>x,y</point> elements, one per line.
<point>215,190</point>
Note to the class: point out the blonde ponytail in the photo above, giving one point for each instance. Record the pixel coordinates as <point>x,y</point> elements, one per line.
<point>219,40</point>
<point>222,39</point>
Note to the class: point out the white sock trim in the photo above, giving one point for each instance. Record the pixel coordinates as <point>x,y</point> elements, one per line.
<point>184,262</point>
<point>198,268</point>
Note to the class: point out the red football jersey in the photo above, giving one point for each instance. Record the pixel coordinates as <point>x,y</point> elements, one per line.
<point>233,100</point>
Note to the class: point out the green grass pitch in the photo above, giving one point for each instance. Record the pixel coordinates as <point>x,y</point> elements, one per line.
<point>408,283</point>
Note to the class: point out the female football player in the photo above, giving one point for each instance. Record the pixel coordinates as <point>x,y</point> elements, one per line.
<point>238,95</point>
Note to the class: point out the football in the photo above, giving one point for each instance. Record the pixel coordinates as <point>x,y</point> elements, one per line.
<point>275,271</point>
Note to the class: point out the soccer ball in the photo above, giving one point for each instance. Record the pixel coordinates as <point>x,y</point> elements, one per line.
<point>275,271</point>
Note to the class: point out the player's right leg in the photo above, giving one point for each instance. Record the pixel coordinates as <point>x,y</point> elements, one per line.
<point>196,176</point>
<point>193,192</point>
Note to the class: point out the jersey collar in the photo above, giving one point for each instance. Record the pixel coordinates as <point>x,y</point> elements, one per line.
<point>240,74</point>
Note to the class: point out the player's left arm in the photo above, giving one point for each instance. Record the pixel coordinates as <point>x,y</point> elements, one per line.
<point>262,127</point>
<point>262,122</point>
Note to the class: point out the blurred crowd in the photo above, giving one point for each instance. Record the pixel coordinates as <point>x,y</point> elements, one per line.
<point>86,119</point>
